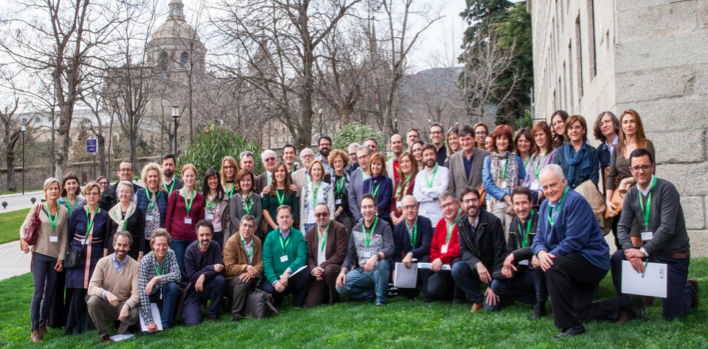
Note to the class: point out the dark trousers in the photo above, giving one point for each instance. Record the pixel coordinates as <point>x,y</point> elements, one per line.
<point>238,290</point>
<point>60,305</point>
<point>44,278</point>
<point>297,286</point>
<point>219,238</point>
<point>76,322</point>
<point>213,291</point>
<point>522,288</point>
<point>679,295</point>
<point>180,248</point>
<point>468,280</point>
<point>443,286</point>
<point>571,282</point>
<point>324,290</point>
<point>423,276</point>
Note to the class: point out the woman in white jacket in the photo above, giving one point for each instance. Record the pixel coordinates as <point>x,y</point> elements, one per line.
<point>314,192</point>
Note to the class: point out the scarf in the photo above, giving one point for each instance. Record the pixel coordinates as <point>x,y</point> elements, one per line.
<point>496,165</point>
<point>580,159</point>
<point>117,216</point>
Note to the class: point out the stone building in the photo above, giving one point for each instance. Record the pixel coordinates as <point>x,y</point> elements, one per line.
<point>647,55</point>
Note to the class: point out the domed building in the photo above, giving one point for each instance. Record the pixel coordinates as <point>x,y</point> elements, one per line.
<point>176,46</point>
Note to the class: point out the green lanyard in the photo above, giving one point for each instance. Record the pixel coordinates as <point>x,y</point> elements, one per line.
<point>450,228</point>
<point>284,245</point>
<point>90,221</point>
<point>536,170</point>
<point>641,204</point>
<point>525,239</point>
<point>68,205</point>
<point>429,181</point>
<point>376,190</point>
<point>367,236</point>
<point>152,203</point>
<point>268,178</point>
<point>314,194</point>
<point>526,163</point>
<point>414,234</point>
<point>324,238</point>
<point>248,254</point>
<point>189,202</point>
<point>211,206</point>
<point>340,185</point>
<point>560,203</point>
<point>172,186</point>
<point>281,198</point>
<point>363,175</point>
<point>247,207</point>
<point>160,269</point>
<point>231,192</point>
<point>52,221</point>
<point>503,174</point>
<point>401,185</point>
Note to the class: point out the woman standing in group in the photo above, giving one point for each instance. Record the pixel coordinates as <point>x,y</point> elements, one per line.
<point>380,186</point>
<point>125,216</point>
<point>339,161</point>
<point>543,155</point>
<point>216,209</point>
<point>47,254</point>
<point>405,186</point>
<point>89,228</point>
<point>185,208</point>
<point>313,193</point>
<point>523,144</point>
<point>152,202</point>
<point>452,143</point>
<point>245,201</point>
<point>417,150</point>
<point>558,120</point>
<point>480,135</point>
<point>606,130</point>
<point>102,183</point>
<point>70,193</point>
<point>277,194</point>
<point>631,137</point>
<point>501,173</point>
<point>577,158</point>
<point>229,168</point>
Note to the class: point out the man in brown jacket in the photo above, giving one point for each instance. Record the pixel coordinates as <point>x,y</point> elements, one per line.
<point>243,262</point>
<point>113,288</point>
<point>327,244</point>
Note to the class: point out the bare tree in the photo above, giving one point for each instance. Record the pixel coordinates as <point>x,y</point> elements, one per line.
<point>94,99</point>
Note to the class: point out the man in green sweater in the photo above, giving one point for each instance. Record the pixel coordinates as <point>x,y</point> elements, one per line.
<point>284,258</point>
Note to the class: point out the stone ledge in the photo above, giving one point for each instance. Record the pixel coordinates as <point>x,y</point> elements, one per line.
<point>677,114</point>
<point>694,212</point>
<point>664,20</point>
<point>671,147</point>
<point>662,52</point>
<point>656,84</point>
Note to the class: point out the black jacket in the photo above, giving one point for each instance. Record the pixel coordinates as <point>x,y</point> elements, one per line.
<point>514,243</point>
<point>402,241</point>
<point>488,246</point>
<point>110,196</point>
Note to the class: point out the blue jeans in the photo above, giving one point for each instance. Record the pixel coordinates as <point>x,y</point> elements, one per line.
<point>169,302</point>
<point>361,285</point>
<point>180,247</point>
<point>44,278</point>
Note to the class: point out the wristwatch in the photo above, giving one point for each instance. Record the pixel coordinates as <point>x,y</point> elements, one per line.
<point>644,252</point>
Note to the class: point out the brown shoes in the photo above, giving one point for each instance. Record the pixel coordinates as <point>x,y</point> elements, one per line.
<point>43,329</point>
<point>36,336</point>
<point>694,283</point>
<point>476,307</point>
<point>105,338</point>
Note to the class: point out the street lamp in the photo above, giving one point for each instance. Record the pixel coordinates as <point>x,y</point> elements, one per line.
<point>23,129</point>
<point>395,125</point>
<point>175,115</point>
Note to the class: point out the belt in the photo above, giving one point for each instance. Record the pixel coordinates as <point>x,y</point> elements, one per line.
<point>680,255</point>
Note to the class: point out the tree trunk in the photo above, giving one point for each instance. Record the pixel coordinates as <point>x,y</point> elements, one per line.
<point>66,112</point>
<point>10,160</point>
<point>102,155</point>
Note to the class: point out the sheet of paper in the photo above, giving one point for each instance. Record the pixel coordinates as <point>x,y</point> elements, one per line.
<point>155,318</point>
<point>652,283</point>
<point>122,337</point>
<point>405,277</point>
<point>427,266</point>
<point>297,271</point>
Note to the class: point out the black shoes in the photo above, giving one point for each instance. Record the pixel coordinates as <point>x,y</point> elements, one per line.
<point>539,310</point>
<point>637,306</point>
<point>572,331</point>
<point>694,283</point>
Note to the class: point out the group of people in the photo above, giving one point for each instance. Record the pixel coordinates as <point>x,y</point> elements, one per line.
<point>491,218</point>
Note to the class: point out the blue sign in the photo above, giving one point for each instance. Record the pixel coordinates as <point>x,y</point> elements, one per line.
<point>91,146</point>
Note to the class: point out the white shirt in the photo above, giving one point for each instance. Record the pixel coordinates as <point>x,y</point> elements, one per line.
<point>249,249</point>
<point>645,192</point>
<point>321,258</point>
<point>426,196</point>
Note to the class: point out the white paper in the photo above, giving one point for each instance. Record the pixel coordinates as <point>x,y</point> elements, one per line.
<point>653,283</point>
<point>122,337</point>
<point>155,318</point>
<point>297,271</point>
<point>647,235</point>
<point>405,277</point>
<point>427,266</point>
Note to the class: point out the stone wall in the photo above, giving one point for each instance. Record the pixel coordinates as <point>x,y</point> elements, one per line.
<point>662,72</point>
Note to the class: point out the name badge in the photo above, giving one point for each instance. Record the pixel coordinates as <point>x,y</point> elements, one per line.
<point>398,204</point>
<point>84,241</point>
<point>524,262</point>
<point>443,249</point>
<point>53,239</point>
<point>284,258</point>
<point>187,220</point>
<point>367,254</point>
<point>647,235</point>
<point>338,202</point>
<point>149,218</point>
<point>504,185</point>
<point>209,216</point>
<point>534,185</point>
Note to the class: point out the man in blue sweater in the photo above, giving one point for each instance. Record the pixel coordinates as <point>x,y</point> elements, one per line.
<point>203,267</point>
<point>571,249</point>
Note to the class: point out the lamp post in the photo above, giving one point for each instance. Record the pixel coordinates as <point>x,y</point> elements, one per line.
<point>175,115</point>
<point>23,129</point>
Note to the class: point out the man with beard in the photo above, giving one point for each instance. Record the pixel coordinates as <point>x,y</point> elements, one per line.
<point>327,244</point>
<point>203,267</point>
<point>393,169</point>
<point>429,184</point>
<point>325,147</point>
<point>170,182</point>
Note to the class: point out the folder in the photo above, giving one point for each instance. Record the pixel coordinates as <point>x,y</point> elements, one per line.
<point>652,283</point>
<point>406,277</point>
<point>155,318</point>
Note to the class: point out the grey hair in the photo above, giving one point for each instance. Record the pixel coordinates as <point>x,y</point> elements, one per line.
<point>322,204</point>
<point>265,152</point>
<point>555,169</point>
<point>353,145</point>
<point>306,150</point>
<point>446,194</point>
<point>244,154</point>
<point>364,147</point>
<point>126,183</point>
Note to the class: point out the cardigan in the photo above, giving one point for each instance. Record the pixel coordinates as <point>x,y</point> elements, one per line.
<point>325,194</point>
<point>92,251</point>
<point>236,259</point>
<point>438,240</point>
<point>336,245</point>
<point>224,215</point>
<point>402,239</point>
<point>109,198</point>
<point>383,195</point>
<point>548,159</point>
<point>142,201</point>
<point>45,233</point>
<point>575,230</point>
<point>238,210</point>
<point>121,283</point>
<point>458,179</point>
<point>176,213</point>
<point>295,250</point>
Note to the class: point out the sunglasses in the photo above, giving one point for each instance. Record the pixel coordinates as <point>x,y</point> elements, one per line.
<point>270,159</point>
<point>320,215</point>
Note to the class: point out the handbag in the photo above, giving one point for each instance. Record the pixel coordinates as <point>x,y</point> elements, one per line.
<point>482,195</point>
<point>73,259</point>
<point>259,304</point>
<point>31,232</point>
<point>617,199</point>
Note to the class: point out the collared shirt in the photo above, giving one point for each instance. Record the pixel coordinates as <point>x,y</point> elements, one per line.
<point>115,263</point>
<point>410,229</point>
<point>645,192</point>
<point>284,234</point>
<point>473,227</point>
<point>611,147</point>
<point>321,252</point>
<point>248,246</point>
<point>324,161</point>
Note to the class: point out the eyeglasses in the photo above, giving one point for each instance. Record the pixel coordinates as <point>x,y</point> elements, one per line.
<point>125,170</point>
<point>325,145</point>
<point>352,154</point>
<point>408,207</point>
<point>103,184</point>
<point>307,156</point>
<point>269,159</point>
<point>321,214</point>
<point>228,167</point>
<point>643,167</point>
<point>480,133</point>
<point>435,132</point>
<point>449,204</point>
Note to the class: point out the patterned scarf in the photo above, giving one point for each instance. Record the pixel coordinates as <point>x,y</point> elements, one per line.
<point>580,159</point>
<point>117,216</point>
<point>497,162</point>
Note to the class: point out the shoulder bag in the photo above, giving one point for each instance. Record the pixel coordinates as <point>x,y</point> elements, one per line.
<point>31,232</point>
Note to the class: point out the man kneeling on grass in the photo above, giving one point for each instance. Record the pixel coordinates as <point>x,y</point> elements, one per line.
<point>243,263</point>
<point>113,288</point>
<point>157,280</point>
<point>370,243</point>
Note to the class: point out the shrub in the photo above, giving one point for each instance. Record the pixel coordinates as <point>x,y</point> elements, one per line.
<point>356,132</point>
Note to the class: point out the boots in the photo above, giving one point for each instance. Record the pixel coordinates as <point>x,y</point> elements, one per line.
<point>36,336</point>
<point>539,310</point>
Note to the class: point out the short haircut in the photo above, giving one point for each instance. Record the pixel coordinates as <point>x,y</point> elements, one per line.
<point>555,169</point>
<point>306,150</point>
<point>522,191</point>
<point>367,196</point>
<point>248,217</point>
<point>338,153</point>
<point>67,177</point>
<point>409,196</point>
<point>446,194</point>
<point>266,152</point>
<point>89,186</point>
<point>502,131</point>
<point>372,139</point>
<point>639,152</point>
<point>353,145</point>
<point>126,184</point>
<point>430,146</point>
<point>245,153</point>
<point>322,204</point>
<point>437,124</point>
<point>124,234</point>
<point>160,233</point>
<point>243,173</point>
<point>422,144</point>
<point>168,157</point>
<point>380,158</point>
<point>597,127</point>
<point>125,162</point>
<point>468,190</point>
<point>577,118</point>
<point>152,167</point>
<point>363,148</point>
<point>324,137</point>
<point>466,130</point>
<point>283,207</point>
<point>289,146</point>
<point>481,124</point>
<point>417,133</point>
<point>203,223</point>
<point>542,126</point>
<point>99,178</point>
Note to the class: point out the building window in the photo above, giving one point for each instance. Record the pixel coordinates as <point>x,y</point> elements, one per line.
<point>579,56</point>
<point>163,62</point>
<point>591,38</point>
<point>183,58</point>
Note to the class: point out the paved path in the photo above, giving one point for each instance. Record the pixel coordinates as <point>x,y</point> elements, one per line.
<point>14,262</point>
<point>18,201</point>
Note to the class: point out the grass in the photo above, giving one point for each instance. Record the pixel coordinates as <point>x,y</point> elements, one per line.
<point>11,223</point>
<point>401,324</point>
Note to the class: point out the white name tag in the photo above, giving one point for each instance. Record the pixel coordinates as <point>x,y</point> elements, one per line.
<point>149,218</point>
<point>187,220</point>
<point>524,262</point>
<point>504,185</point>
<point>209,216</point>
<point>367,254</point>
<point>534,185</point>
<point>338,202</point>
<point>84,241</point>
<point>53,239</point>
<point>284,258</point>
<point>398,204</point>
<point>647,235</point>
<point>443,249</point>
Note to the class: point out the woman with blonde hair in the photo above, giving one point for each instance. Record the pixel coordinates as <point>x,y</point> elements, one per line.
<point>227,175</point>
<point>314,192</point>
<point>152,201</point>
<point>185,208</point>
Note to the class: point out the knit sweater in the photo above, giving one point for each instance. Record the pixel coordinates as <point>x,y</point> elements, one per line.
<point>121,283</point>
<point>274,264</point>
<point>45,233</point>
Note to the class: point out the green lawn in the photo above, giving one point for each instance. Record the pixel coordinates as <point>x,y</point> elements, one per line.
<point>10,224</point>
<point>402,324</point>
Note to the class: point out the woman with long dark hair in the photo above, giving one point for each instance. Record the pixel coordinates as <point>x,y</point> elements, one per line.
<point>216,208</point>
<point>558,120</point>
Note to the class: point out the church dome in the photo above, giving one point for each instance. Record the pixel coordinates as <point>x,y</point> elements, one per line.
<point>176,29</point>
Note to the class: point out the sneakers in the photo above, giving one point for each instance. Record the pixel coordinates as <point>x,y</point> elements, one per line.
<point>36,336</point>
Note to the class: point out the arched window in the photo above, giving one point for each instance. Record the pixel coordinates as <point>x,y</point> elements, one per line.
<point>163,62</point>
<point>183,58</point>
